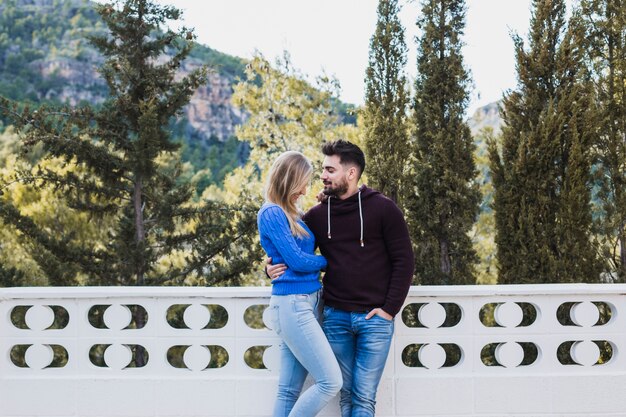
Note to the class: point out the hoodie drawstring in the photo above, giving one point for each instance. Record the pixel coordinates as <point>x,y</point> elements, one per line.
<point>361,216</point>
<point>329,197</point>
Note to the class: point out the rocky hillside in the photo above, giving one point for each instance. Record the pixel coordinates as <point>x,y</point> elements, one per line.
<point>45,56</point>
<point>486,116</point>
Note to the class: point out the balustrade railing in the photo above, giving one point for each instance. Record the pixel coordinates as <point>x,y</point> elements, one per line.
<point>533,350</point>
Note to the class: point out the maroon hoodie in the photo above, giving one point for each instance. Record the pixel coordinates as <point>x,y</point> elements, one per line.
<point>367,245</point>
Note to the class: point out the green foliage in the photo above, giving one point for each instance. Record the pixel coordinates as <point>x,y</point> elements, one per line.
<point>384,115</point>
<point>230,66</point>
<point>31,36</point>
<point>19,255</point>
<point>443,199</point>
<point>286,113</point>
<point>604,39</point>
<point>541,173</point>
<point>484,229</point>
<point>117,164</point>
<point>11,277</point>
<point>213,160</point>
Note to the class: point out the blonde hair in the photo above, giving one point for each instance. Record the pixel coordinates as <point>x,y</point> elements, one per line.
<point>289,174</point>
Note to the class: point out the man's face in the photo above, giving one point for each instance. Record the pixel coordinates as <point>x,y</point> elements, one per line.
<point>334,176</point>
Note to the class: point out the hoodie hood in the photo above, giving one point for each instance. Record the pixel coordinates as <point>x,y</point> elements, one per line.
<point>352,203</point>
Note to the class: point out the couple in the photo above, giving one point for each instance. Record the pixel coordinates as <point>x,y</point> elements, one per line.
<point>368,263</point>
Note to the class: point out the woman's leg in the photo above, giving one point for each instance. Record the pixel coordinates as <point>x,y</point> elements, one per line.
<point>292,373</point>
<point>290,381</point>
<point>302,334</point>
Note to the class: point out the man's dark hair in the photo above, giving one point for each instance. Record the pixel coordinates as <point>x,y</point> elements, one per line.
<point>348,153</point>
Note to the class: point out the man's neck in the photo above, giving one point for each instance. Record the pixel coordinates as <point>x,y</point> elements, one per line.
<point>352,190</point>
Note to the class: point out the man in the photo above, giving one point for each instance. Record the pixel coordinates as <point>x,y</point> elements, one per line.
<point>365,240</point>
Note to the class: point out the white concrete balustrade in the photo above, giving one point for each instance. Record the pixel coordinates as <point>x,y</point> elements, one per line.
<point>536,350</point>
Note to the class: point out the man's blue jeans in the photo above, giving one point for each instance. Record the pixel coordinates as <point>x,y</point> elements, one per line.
<point>361,347</point>
<point>304,350</point>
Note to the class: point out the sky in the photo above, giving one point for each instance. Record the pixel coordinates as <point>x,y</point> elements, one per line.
<point>332,37</point>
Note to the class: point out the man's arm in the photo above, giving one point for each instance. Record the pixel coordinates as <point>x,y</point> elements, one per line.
<point>274,271</point>
<point>398,242</point>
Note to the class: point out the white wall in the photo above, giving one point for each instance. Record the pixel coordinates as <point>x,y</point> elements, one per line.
<point>546,387</point>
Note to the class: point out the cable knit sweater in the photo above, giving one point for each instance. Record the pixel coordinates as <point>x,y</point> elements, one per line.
<point>302,276</point>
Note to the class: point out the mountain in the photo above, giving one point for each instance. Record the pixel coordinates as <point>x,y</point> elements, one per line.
<point>45,57</point>
<point>486,116</point>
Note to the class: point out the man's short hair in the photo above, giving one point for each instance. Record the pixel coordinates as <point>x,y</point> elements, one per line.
<point>348,153</point>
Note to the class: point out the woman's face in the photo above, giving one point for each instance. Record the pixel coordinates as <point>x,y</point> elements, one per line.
<point>300,193</point>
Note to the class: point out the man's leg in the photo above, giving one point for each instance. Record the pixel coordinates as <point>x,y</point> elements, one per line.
<point>373,340</point>
<point>337,326</point>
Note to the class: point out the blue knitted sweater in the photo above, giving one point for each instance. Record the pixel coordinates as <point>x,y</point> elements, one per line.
<point>302,275</point>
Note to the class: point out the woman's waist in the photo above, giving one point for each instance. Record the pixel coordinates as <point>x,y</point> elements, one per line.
<point>286,284</point>
<point>291,275</point>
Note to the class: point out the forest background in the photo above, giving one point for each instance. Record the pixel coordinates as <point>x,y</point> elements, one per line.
<point>131,155</point>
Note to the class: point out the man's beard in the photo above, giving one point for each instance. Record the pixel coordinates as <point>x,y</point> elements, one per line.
<point>340,189</point>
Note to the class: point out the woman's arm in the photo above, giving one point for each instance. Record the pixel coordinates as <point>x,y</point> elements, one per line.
<point>273,223</point>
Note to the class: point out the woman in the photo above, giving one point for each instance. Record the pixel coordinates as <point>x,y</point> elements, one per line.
<point>296,293</point>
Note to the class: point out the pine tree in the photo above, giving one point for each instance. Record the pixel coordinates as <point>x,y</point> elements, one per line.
<point>542,173</point>
<point>443,201</point>
<point>121,165</point>
<point>605,37</point>
<point>386,100</point>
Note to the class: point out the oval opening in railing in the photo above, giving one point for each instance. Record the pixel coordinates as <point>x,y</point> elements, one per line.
<point>179,357</point>
<point>18,316</point>
<point>39,317</point>
<point>585,313</point>
<point>118,316</point>
<point>253,316</point>
<point>410,355</point>
<point>432,355</point>
<point>219,317</point>
<point>118,356</point>
<point>508,314</point>
<point>60,358</point>
<point>432,315</point>
<point>585,352</point>
<point>253,357</point>
<point>18,355</point>
<point>197,316</point>
<point>510,354</point>
<point>39,356</point>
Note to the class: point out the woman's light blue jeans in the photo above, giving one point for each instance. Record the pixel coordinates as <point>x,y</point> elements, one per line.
<point>304,349</point>
<point>361,347</point>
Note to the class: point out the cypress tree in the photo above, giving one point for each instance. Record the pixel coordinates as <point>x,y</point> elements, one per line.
<point>443,201</point>
<point>542,174</point>
<point>605,37</point>
<point>386,100</point>
<point>122,164</point>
